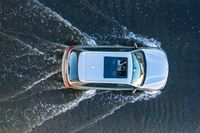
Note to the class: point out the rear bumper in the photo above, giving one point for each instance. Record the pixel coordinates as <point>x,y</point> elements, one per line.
<point>65,64</point>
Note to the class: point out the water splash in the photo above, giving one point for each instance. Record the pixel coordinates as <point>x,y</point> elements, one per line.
<point>91,42</point>
<point>40,80</point>
<point>127,38</point>
<point>55,110</point>
<point>141,39</point>
<point>119,101</point>
<point>30,47</point>
<point>119,31</point>
<point>31,85</point>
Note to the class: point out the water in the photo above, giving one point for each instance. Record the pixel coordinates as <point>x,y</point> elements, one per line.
<point>33,35</point>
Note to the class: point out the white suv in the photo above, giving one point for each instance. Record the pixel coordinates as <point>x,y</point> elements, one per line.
<point>114,68</point>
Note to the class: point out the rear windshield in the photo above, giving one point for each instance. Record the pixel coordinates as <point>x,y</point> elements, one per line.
<point>115,67</point>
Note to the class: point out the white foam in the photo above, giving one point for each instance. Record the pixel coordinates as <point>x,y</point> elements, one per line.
<point>51,12</point>
<point>91,42</point>
<point>30,47</point>
<point>148,42</point>
<point>85,38</point>
<point>32,85</point>
<point>56,110</point>
<point>40,80</point>
<point>126,34</point>
<point>125,100</point>
<point>24,44</point>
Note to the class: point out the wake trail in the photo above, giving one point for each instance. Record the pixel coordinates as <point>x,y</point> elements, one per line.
<point>121,31</point>
<point>43,112</point>
<point>84,38</point>
<point>58,109</point>
<point>32,85</point>
<point>129,99</point>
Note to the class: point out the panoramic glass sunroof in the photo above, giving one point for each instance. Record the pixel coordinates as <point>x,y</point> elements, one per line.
<point>115,67</point>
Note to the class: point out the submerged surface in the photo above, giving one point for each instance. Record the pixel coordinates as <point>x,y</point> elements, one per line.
<point>33,35</point>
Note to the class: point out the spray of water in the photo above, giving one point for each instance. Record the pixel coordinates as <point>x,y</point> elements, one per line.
<point>55,110</point>
<point>119,101</point>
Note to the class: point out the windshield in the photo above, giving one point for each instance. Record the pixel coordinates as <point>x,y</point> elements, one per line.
<point>138,68</point>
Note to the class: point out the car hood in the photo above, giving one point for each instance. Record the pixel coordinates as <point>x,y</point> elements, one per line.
<point>156,69</point>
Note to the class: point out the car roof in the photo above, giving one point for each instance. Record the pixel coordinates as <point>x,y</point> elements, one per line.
<point>91,67</point>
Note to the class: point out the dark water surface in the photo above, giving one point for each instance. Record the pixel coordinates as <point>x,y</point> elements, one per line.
<point>33,35</point>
